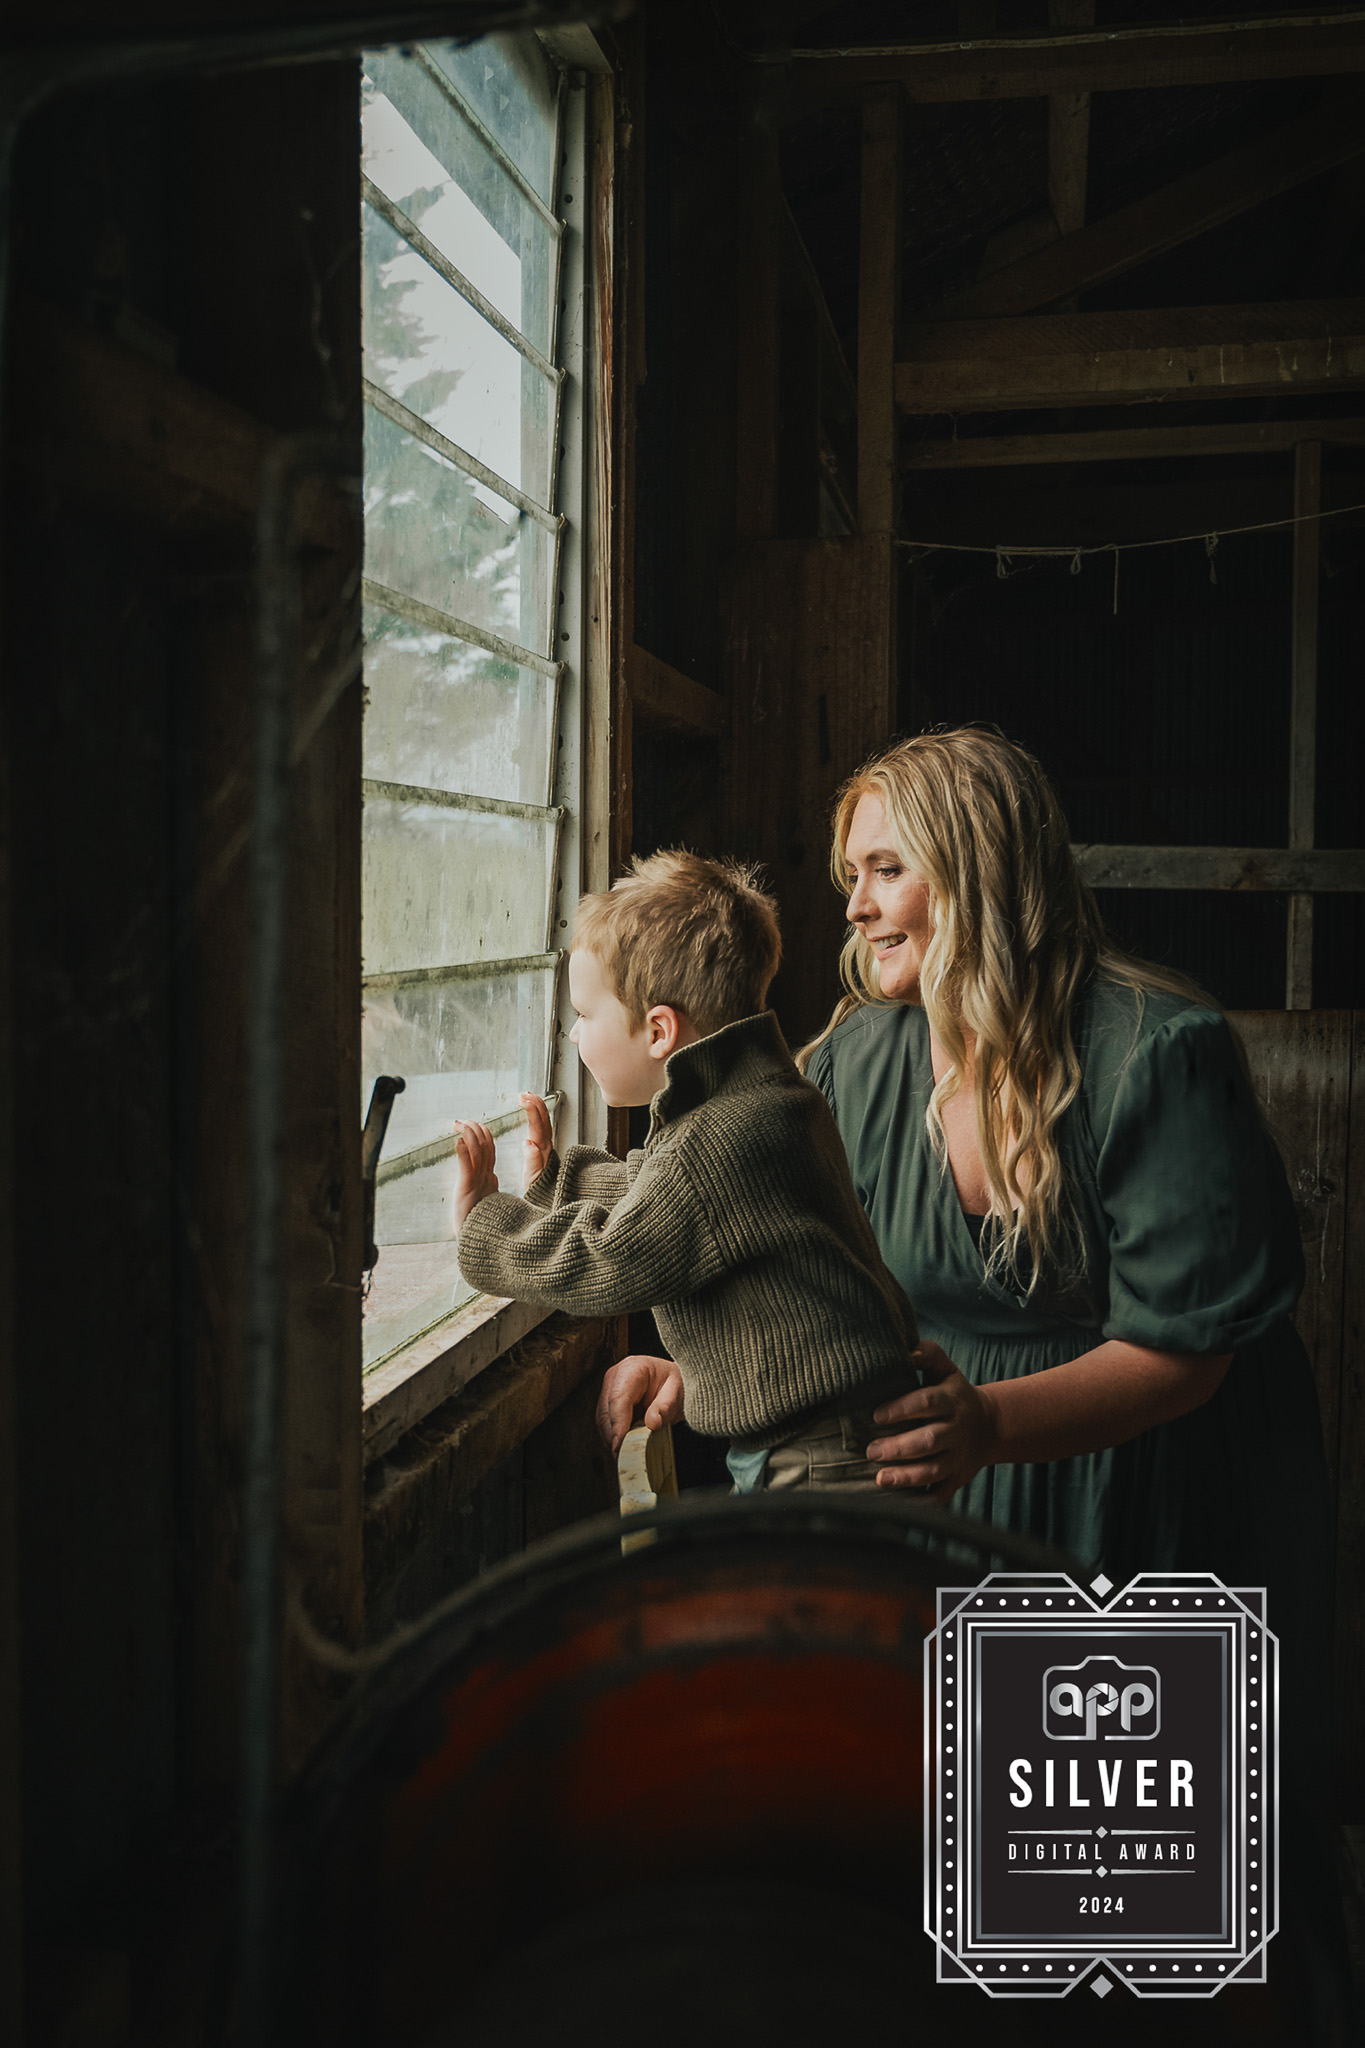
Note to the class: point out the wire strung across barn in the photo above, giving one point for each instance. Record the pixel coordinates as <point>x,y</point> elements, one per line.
<point>1005,553</point>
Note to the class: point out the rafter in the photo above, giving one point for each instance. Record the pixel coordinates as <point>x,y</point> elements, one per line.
<point>1164,219</point>
<point>1097,60</point>
<point>1068,130</point>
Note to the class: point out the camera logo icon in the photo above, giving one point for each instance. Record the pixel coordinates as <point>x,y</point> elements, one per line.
<point>1101,1700</point>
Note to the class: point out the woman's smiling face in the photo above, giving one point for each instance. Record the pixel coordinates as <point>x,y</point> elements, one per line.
<point>889,903</point>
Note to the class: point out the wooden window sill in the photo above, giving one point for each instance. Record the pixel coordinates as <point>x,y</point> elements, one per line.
<point>403,1391</point>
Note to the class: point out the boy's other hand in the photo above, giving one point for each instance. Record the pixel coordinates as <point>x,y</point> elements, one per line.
<point>639,1386</point>
<point>475,1168</point>
<point>540,1138</point>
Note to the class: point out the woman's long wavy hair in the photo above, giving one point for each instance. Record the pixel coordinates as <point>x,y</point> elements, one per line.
<point>1015,934</point>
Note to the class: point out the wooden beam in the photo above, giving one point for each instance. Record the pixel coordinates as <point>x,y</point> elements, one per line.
<point>1067,359</point>
<point>663,696</point>
<point>878,295</point>
<point>1068,131</point>
<point>109,425</point>
<point>1124,444</point>
<point>1177,213</point>
<point>1223,867</point>
<point>1303,711</point>
<point>1098,60</point>
<point>1000,508</point>
<point>1350,1558</point>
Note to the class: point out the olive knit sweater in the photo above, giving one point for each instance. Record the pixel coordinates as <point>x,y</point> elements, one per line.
<point>737,1224</point>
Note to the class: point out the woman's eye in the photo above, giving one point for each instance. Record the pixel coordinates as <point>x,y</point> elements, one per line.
<point>888,874</point>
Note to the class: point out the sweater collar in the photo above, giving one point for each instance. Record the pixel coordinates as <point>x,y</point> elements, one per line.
<point>729,1061</point>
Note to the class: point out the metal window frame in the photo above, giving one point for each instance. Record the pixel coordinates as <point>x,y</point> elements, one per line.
<point>409,232</point>
<point>426,1370</point>
<point>459,458</point>
<point>447,87</point>
<point>427,615</point>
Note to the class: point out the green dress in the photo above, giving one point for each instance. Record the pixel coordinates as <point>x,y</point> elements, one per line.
<point>1191,1246</point>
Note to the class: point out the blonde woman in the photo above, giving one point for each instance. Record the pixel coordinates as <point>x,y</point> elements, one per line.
<point>1066,1171</point>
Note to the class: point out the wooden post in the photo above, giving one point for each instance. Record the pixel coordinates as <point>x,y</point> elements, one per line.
<point>878,296</point>
<point>1068,129</point>
<point>758,370</point>
<point>1303,711</point>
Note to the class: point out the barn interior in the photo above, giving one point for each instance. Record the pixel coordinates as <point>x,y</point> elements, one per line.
<point>989,360</point>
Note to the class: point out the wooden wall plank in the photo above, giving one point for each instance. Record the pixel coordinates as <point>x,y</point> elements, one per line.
<point>1350,1671</point>
<point>1301,1064</point>
<point>1303,711</point>
<point>808,659</point>
<point>878,299</point>
<point>1220,867</point>
<point>759,302</point>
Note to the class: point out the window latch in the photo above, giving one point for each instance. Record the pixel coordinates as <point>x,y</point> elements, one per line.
<point>371,1145</point>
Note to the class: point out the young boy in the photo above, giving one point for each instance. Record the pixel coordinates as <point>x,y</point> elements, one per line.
<point>737,1223</point>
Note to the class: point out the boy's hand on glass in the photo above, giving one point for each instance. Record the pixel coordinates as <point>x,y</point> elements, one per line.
<point>475,1168</point>
<point>540,1139</point>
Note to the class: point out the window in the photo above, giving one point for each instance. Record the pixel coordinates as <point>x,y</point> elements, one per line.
<point>472,311</point>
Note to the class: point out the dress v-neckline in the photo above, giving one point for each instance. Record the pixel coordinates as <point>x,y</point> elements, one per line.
<point>944,1174</point>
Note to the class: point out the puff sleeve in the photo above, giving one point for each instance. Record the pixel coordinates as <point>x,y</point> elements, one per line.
<point>1204,1246</point>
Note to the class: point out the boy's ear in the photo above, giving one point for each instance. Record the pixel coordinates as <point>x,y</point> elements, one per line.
<point>667,1029</point>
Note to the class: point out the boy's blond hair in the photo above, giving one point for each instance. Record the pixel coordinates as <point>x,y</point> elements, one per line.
<point>698,935</point>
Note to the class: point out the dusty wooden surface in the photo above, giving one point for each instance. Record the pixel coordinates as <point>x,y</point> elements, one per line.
<point>513,1457</point>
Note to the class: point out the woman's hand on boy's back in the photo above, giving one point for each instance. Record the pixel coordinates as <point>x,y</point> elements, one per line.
<point>649,1387</point>
<point>476,1173</point>
<point>540,1139</point>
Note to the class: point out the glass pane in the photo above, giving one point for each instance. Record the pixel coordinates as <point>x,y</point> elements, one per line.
<point>435,534</point>
<point>418,1279</point>
<point>463,1050</point>
<point>429,162</point>
<point>511,86</point>
<point>440,887</point>
<point>426,346</point>
<point>441,714</point>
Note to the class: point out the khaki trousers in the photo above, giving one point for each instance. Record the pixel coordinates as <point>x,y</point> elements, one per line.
<point>833,1450</point>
